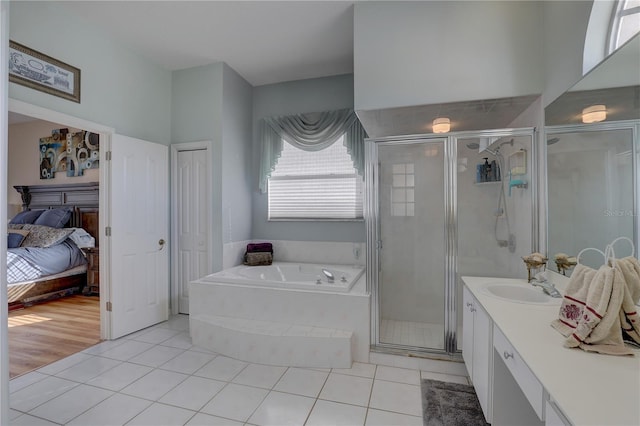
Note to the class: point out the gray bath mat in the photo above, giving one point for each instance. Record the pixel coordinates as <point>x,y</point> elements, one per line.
<point>450,404</point>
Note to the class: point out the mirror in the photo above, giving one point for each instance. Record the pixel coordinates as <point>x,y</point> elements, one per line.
<point>592,135</point>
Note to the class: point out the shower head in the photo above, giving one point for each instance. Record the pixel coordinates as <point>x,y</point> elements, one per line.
<point>551,141</point>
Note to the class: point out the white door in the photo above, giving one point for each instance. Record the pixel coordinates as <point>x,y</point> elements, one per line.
<point>139,233</point>
<point>191,221</point>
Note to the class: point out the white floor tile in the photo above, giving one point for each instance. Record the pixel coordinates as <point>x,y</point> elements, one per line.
<point>154,385</point>
<point>27,420</point>
<point>71,404</point>
<point>156,356</point>
<point>120,376</point>
<point>281,409</point>
<point>400,375</point>
<point>236,402</point>
<point>155,336</point>
<point>202,419</point>
<point>347,389</point>
<point>397,397</point>
<point>301,381</point>
<point>386,418</point>
<point>181,341</point>
<point>260,376</point>
<point>40,392</point>
<point>126,350</point>
<point>193,393</point>
<point>115,410</point>
<point>444,377</point>
<point>88,369</point>
<point>104,346</point>
<point>162,415</point>
<point>25,380</point>
<point>64,363</point>
<point>221,368</point>
<point>178,322</point>
<point>333,413</point>
<point>358,369</point>
<point>187,362</point>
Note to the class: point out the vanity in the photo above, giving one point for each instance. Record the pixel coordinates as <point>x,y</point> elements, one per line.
<point>521,371</point>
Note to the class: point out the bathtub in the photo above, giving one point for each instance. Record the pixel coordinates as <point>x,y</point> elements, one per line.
<point>300,276</point>
<point>278,315</point>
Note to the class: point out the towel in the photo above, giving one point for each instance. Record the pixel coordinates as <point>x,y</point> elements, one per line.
<point>629,317</point>
<point>590,312</point>
<point>259,248</point>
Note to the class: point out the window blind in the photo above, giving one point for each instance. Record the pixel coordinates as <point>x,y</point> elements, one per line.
<point>315,185</point>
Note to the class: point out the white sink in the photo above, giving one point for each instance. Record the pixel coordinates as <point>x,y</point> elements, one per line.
<point>520,294</point>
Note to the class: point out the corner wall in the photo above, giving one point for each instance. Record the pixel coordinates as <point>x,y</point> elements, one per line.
<point>312,95</point>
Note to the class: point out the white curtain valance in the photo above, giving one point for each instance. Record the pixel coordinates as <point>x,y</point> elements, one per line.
<point>309,132</point>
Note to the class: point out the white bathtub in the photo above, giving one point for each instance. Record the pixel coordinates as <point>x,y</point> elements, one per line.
<point>301,276</point>
<point>278,315</point>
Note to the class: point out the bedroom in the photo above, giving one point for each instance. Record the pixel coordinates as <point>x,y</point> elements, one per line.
<point>37,328</point>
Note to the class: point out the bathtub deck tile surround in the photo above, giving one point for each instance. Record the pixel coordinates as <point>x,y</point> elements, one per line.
<point>225,391</point>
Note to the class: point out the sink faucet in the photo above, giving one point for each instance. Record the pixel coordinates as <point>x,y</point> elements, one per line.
<point>329,275</point>
<point>540,280</point>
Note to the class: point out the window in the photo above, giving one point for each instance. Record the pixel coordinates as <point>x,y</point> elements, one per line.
<point>625,23</point>
<point>315,185</point>
<point>402,190</point>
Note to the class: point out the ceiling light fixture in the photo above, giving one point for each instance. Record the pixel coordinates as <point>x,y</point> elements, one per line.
<point>594,114</point>
<point>441,125</point>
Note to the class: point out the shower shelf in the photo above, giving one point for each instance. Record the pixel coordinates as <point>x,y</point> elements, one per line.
<point>487,183</point>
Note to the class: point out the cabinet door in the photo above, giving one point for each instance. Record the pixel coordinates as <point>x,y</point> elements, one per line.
<point>467,330</point>
<point>482,358</point>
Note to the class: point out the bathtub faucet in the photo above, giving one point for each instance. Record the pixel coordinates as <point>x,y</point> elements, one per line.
<point>329,275</point>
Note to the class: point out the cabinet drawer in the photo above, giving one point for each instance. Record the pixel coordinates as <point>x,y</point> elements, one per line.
<point>527,381</point>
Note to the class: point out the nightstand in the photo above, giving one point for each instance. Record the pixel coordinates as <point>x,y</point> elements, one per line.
<point>93,271</point>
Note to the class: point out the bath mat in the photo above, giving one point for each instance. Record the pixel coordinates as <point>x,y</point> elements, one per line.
<point>450,404</point>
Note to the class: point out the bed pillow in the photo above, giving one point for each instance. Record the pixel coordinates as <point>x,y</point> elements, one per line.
<point>15,237</point>
<point>44,236</point>
<point>55,218</point>
<point>27,216</point>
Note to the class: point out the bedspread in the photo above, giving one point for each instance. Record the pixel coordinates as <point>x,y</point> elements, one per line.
<point>31,263</point>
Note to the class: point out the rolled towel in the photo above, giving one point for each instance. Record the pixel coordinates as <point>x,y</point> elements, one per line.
<point>260,248</point>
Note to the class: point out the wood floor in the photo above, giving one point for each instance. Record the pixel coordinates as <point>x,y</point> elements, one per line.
<point>44,333</point>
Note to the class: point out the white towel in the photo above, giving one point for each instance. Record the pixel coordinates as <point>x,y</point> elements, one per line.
<point>629,318</point>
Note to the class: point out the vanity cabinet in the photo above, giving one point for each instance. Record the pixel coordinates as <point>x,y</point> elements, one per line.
<point>477,349</point>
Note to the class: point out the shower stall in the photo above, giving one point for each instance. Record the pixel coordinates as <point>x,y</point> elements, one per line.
<point>435,213</point>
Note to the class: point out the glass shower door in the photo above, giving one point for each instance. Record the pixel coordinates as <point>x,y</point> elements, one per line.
<point>411,278</point>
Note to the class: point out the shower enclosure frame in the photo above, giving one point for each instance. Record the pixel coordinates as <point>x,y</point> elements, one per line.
<point>450,231</point>
<point>634,127</point>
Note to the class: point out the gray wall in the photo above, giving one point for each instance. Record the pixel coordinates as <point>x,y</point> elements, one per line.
<point>565,26</point>
<point>236,156</point>
<point>414,53</point>
<point>319,94</point>
<point>119,88</point>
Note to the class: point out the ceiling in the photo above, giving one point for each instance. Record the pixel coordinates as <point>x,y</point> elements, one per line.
<point>264,41</point>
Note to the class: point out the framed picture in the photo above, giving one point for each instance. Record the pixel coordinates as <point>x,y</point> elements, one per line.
<point>41,72</point>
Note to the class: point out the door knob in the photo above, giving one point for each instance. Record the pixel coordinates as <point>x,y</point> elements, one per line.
<point>161,242</point>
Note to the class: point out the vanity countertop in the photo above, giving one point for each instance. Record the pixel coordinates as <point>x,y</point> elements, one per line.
<point>589,388</point>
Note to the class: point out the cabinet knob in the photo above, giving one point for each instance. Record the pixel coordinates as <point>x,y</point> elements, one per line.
<point>507,355</point>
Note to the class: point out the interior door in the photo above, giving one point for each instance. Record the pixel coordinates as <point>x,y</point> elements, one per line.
<point>139,233</point>
<point>192,262</point>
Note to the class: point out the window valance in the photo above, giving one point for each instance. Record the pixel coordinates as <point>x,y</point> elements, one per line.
<point>309,132</point>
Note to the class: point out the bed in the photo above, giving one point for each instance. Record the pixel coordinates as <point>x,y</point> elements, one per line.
<point>37,274</point>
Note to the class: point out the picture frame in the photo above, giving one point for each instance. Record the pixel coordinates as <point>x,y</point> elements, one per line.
<point>38,71</point>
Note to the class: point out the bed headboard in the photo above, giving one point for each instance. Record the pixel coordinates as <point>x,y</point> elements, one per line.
<point>84,198</point>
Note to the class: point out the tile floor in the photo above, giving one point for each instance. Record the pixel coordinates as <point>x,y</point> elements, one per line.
<point>157,377</point>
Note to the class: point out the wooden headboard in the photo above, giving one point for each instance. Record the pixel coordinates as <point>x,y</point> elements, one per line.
<point>84,198</point>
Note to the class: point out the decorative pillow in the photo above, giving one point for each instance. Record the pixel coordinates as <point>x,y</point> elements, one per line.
<point>55,218</point>
<point>15,237</point>
<point>45,236</point>
<point>27,216</point>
